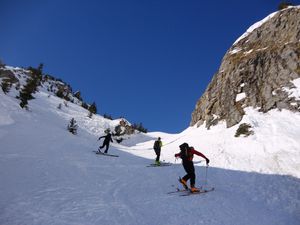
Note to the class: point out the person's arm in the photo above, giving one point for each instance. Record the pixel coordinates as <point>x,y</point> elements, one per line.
<point>200,154</point>
<point>177,155</point>
<point>100,137</point>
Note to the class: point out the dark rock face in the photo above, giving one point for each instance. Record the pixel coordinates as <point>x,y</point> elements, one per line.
<point>256,71</point>
<point>8,75</point>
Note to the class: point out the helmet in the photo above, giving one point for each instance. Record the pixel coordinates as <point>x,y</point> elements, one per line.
<point>184,146</point>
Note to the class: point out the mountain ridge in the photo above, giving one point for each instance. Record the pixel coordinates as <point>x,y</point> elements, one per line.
<point>256,71</point>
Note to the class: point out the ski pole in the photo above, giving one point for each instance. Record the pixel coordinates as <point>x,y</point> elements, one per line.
<point>205,182</point>
<point>175,160</point>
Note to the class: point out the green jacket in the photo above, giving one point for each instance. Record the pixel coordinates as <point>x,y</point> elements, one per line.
<point>157,145</point>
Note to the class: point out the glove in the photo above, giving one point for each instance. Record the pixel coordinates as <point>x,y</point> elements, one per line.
<point>207,161</point>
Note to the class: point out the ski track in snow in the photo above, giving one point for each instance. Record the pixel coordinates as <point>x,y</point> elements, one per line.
<point>49,176</point>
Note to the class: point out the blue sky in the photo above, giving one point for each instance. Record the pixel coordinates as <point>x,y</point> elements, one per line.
<point>149,61</point>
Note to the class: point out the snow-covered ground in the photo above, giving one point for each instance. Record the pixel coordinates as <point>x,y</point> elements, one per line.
<point>49,176</point>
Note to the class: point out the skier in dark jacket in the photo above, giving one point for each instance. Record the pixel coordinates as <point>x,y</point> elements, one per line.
<point>186,154</point>
<point>157,148</point>
<point>106,142</point>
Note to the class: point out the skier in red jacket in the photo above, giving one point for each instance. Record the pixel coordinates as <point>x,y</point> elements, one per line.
<point>186,154</point>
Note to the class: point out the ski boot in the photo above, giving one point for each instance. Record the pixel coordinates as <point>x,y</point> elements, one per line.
<point>183,182</point>
<point>157,163</point>
<point>194,189</point>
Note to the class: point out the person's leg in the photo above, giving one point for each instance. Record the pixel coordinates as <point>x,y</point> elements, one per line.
<point>157,155</point>
<point>186,166</point>
<point>192,178</point>
<point>107,146</point>
<point>103,144</point>
<point>157,152</point>
<point>184,179</point>
<point>189,168</point>
<point>100,147</point>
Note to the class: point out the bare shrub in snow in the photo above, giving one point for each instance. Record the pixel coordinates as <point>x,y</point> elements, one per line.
<point>244,129</point>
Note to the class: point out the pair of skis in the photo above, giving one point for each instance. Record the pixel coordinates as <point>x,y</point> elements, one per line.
<point>188,192</point>
<point>159,165</point>
<point>105,154</point>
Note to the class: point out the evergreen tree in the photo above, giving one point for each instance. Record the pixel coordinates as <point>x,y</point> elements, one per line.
<point>90,115</point>
<point>72,127</point>
<point>139,127</point>
<point>67,98</point>
<point>27,91</point>
<point>5,85</point>
<point>84,105</point>
<point>142,128</point>
<point>59,106</point>
<point>284,4</point>
<point>78,95</point>
<point>60,93</point>
<point>18,86</point>
<point>26,94</point>
<point>93,108</point>
<point>31,85</point>
<point>24,101</point>
<point>36,75</point>
<point>106,116</point>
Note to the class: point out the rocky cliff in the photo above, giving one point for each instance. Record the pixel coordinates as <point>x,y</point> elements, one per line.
<point>257,71</point>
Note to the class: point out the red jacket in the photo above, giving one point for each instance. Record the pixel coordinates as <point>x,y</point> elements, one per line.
<point>191,153</point>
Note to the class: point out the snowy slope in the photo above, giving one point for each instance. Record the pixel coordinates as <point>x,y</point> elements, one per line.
<point>49,176</point>
<point>273,149</point>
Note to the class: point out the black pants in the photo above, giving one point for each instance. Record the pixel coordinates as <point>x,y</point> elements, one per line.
<point>157,152</point>
<point>105,144</point>
<point>190,170</point>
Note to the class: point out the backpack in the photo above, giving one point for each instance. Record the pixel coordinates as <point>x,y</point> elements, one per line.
<point>156,145</point>
<point>184,151</point>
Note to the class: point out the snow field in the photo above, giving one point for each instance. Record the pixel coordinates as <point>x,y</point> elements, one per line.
<point>49,176</point>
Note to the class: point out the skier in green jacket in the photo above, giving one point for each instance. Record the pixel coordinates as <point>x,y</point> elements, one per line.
<point>157,148</point>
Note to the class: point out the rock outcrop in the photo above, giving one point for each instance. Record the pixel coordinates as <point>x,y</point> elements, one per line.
<point>256,71</point>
